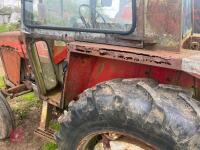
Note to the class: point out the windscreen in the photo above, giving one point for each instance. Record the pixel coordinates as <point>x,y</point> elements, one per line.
<point>80,15</point>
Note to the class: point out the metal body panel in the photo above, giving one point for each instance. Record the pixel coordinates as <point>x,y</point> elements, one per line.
<point>14,40</point>
<point>12,64</point>
<point>86,71</point>
<point>59,54</point>
<point>12,50</point>
<point>185,60</point>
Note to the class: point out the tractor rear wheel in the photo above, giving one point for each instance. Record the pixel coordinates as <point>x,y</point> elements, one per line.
<point>131,114</point>
<point>7,123</point>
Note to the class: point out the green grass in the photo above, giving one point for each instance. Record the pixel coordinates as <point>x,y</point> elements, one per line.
<point>22,114</point>
<point>4,28</point>
<point>50,146</point>
<point>55,125</point>
<point>22,105</point>
<point>9,27</point>
<point>2,83</point>
<point>29,97</point>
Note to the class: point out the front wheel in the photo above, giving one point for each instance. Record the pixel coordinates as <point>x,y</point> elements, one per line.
<point>132,114</point>
<point>7,123</point>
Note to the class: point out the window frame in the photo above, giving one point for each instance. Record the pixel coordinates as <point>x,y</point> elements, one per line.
<point>188,31</point>
<point>132,29</point>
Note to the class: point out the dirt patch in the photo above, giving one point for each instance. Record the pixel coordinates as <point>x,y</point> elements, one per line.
<point>27,111</point>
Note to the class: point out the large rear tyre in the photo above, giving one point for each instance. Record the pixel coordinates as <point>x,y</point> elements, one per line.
<point>7,123</point>
<point>136,112</point>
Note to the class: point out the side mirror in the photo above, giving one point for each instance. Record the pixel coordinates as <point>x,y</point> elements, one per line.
<point>106,3</point>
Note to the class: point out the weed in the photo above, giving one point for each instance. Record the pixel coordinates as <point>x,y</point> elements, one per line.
<point>2,83</point>
<point>21,114</point>
<point>50,146</point>
<point>31,99</point>
<point>22,105</point>
<point>54,125</point>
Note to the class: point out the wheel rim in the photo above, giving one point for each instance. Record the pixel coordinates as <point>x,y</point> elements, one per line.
<point>112,141</point>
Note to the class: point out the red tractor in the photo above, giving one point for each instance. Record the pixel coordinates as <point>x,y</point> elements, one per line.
<point>125,73</point>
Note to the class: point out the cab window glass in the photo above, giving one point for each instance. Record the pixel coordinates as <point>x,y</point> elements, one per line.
<point>115,15</point>
<point>187,17</point>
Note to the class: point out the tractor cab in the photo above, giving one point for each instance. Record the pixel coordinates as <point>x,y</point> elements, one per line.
<point>127,23</point>
<point>59,27</point>
<point>49,27</point>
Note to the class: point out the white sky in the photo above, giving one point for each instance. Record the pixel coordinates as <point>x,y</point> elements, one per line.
<point>9,3</point>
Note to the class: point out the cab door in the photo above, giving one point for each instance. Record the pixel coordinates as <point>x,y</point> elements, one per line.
<point>42,64</point>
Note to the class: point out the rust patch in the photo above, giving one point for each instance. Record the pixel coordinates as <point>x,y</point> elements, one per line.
<point>185,60</point>
<point>155,58</point>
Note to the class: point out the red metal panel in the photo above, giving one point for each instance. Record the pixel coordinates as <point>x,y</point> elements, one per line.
<point>170,76</point>
<point>107,69</point>
<point>59,54</point>
<point>79,73</point>
<point>12,50</point>
<point>163,75</point>
<point>86,71</point>
<point>159,58</point>
<point>12,63</point>
<point>14,40</point>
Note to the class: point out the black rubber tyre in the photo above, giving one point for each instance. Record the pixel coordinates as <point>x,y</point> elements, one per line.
<point>7,123</point>
<point>163,116</point>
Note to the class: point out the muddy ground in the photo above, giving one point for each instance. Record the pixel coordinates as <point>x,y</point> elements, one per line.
<point>27,111</point>
<point>24,137</point>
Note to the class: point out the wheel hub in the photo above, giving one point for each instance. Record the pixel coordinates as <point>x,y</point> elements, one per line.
<point>112,141</point>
